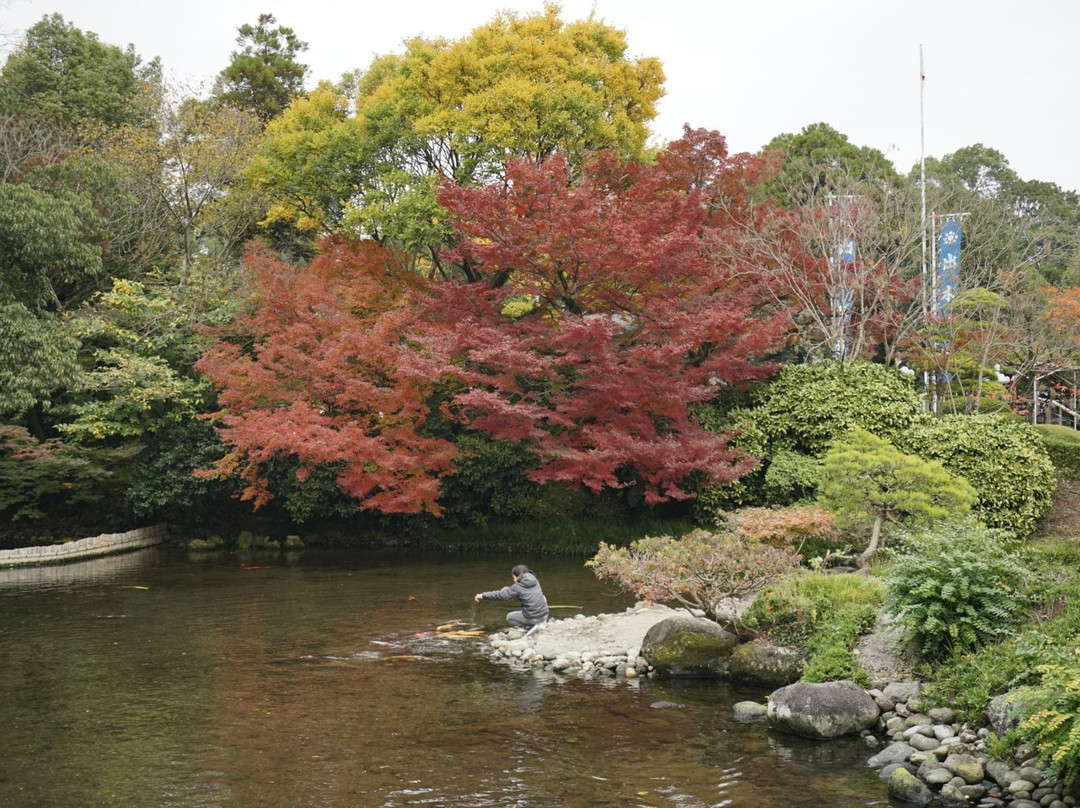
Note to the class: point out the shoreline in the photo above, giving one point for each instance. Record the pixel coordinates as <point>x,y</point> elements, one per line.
<point>924,755</point>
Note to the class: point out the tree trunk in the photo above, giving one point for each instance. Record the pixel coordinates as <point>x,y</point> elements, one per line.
<point>872,547</point>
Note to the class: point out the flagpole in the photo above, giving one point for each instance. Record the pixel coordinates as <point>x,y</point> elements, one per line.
<point>922,189</point>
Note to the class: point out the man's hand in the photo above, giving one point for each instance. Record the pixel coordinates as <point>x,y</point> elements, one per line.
<point>479,597</point>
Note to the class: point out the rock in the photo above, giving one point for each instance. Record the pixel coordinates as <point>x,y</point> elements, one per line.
<point>906,787</point>
<point>935,776</point>
<point>762,663</point>
<point>666,705</point>
<point>901,691</point>
<point>965,767</point>
<point>893,753</point>
<point>825,710</point>
<point>1031,773</point>
<point>1002,716</point>
<point>943,732</point>
<point>923,743</point>
<point>998,771</point>
<point>951,796</point>
<point>886,773</point>
<point>688,646</point>
<point>747,711</point>
<point>941,715</point>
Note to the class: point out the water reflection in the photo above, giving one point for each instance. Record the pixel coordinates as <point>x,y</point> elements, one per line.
<point>325,683</point>
<point>100,570</point>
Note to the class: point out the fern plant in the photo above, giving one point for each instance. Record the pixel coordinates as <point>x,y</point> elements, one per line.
<point>956,588</point>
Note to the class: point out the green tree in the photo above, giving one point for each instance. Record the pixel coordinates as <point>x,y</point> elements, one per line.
<point>309,163</point>
<point>865,479</point>
<point>819,161</point>
<point>64,75</point>
<point>520,86</point>
<point>45,261</point>
<point>264,76</point>
<point>190,163</point>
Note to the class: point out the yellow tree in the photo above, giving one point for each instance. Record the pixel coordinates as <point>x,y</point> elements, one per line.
<point>519,86</point>
<point>309,162</point>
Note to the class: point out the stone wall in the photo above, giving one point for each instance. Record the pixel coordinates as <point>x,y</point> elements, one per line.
<point>105,544</point>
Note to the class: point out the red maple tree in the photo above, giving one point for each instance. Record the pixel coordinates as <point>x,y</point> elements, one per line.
<point>601,318</point>
<point>318,371</point>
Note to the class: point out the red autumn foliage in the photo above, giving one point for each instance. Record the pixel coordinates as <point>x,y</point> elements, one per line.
<point>318,371</point>
<point>623,320</point>
<point>596,317</point>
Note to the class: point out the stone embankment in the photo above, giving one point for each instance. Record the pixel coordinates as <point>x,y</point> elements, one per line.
<point>932,757</point>
<point>105,544</point>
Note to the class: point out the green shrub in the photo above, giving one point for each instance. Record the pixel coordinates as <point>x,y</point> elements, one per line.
<point>1063,446</point>
<point>809,405</point>
<point>1002,458</point>
<point>955,589</point>
<point>1050,717</point>
<point>971,680</point>
<point>831,655</point>
<point>791,477</point>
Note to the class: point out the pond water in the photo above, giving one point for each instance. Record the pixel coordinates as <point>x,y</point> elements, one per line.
<point>156,679</point>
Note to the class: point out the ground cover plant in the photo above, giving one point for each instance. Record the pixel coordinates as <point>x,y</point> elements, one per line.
<point>823,615</point>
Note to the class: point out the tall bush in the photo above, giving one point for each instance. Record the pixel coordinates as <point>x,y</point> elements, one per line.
<point>1003,458</point>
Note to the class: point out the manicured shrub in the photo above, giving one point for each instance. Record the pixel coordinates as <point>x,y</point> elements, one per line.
<point>791,477</point>
<point>1063,446</point>
<point>956,588</point>
<point>807,406</point>
<point>1003,459</point>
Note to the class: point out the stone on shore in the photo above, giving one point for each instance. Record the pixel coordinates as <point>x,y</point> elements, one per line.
<point>762,663</point>
<point>906,787</point>
<point>748,711</point>
<point>688,646</point>
<point>825,710</point>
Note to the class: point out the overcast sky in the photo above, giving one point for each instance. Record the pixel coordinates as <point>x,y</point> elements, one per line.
<point>1004,73</point>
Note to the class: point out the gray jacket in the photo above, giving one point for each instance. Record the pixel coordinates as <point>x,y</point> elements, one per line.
<point>534,606</point>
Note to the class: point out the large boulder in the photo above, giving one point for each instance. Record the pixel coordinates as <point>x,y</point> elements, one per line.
<point>825,710</point>
<point>688,646</point>
<point>761,663</point>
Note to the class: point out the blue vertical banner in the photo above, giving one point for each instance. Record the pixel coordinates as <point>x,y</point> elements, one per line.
<point>948,266</point>
<point>846,251</point>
